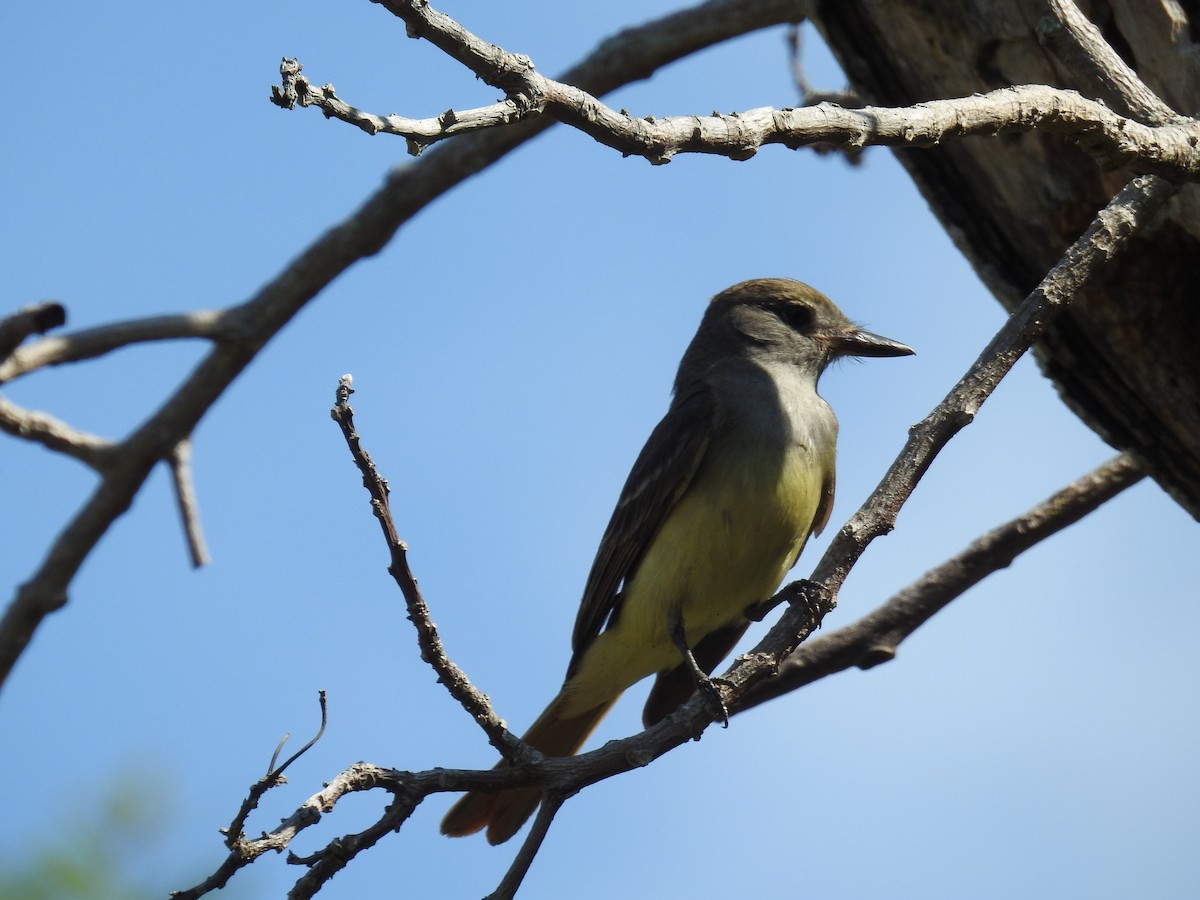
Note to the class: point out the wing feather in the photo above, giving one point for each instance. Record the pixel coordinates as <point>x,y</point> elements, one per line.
<point>660,475</point>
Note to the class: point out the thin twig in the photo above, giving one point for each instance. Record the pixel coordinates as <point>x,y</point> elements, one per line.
<point>55,434</point>
<point>244,851</point>
<point>432,651</point>
<point>552,801</point>
<point>420,133</point>
<point>272,778</point>
<point>189,508</point>
<point>795,41</point>
<point>1169,149</point>
<point>272,772</point>
<point>811,97</point>
<point>336,855</point>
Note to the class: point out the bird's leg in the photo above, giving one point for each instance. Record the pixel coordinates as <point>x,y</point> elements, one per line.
<point>706,686</point>
<point>812,596</point>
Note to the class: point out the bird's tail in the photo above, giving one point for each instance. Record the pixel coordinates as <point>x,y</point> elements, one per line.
<point>504,813</point>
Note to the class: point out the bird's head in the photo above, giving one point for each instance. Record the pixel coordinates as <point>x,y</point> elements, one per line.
<point>789,321</point>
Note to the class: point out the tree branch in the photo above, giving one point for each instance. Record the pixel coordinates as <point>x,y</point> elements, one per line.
<point>1079,43</point>
<point>865,643</point>
<point>1112,140</point>
<point>1129,211</point>
<point>507,889</point>
<point>858,644</point>
<point>36,319</point>
<point>243,851</point>
<point>873,639</point>
<point>189,507</point>
<point>92,342</point>
<point>1167,149</point>
<point>245,329</point>
<point>420,133</point>
<point>55,434</point>
<point>1109,233</point>
<point>430,644</point>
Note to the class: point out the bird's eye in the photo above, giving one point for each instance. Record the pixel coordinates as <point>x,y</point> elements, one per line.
<point>796,316</point>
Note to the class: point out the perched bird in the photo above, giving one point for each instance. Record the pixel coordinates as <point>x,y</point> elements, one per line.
<point>715,512</point>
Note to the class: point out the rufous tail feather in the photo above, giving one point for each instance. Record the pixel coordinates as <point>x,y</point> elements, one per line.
<point>503,813</point>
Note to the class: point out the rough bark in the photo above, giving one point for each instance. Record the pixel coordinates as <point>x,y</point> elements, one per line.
<point>1125,358</point>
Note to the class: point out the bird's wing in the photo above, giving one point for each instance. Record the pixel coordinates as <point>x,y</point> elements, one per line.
<point>825,507</point>
<point>661,474</point>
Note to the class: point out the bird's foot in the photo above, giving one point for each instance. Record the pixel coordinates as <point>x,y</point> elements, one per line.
<point>708,688</point>
<point>710,691</point>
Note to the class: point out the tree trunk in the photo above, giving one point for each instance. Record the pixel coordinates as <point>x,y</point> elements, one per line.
<point>1126,357</point>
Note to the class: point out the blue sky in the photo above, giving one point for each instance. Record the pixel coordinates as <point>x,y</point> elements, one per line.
<point>512,348</point>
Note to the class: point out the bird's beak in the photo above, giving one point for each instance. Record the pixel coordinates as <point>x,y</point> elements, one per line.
<point>857,342</point>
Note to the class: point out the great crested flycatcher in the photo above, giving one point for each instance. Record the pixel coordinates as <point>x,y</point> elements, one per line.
<point>717,508</point>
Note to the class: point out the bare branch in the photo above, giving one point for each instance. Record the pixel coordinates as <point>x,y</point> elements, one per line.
<point>628,56</point>
<point>189,508</point>
<point>491,64</point>
<point>1114,140</point>
<point>1076,41</point>
<point>1131,209</point>
<point>359,777</point>
<point>335,855</point>
<point>811,97</point>
<point>865,643</point>
<point>243,330</point>
<point>873,639</point>
<point>93,342</point>
<point>562,778</point>
<point>273,778</point>
<point>507,889</point>
<point>799,76</point>
<point>1110,232</point>
<point>432,651</point>
<point>36,319</point>
<point>54,434</point>
<point>276,772</point>
<point>242,851</point>
<point>420,133</point>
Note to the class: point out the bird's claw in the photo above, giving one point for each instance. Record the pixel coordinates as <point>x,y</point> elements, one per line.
<point>710,691</point>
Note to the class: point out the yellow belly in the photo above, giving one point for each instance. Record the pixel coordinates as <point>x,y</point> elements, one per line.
<point>725,547</point>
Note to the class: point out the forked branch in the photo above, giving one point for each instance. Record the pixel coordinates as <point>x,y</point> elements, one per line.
<point>239,332</point>
<point>1166,147</point>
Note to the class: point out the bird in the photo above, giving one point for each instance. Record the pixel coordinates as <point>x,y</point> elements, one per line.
<point>715,511</point>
